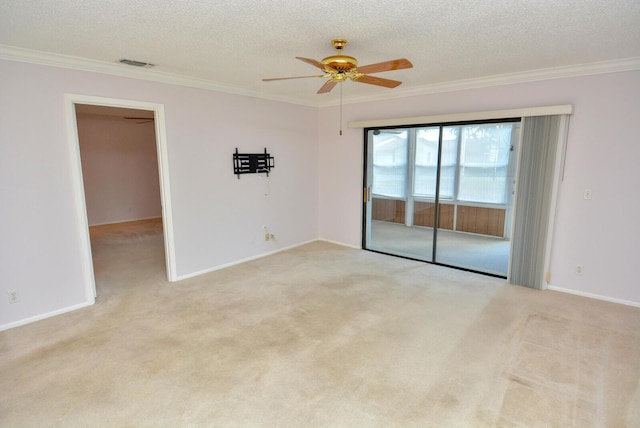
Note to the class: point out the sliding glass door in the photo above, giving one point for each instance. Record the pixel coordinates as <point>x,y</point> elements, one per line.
<point>389,203</point>
<point>442,193</point>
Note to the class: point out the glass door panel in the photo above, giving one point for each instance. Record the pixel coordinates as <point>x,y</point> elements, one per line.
<point>476,238</point>
<point>386,189</point>
<point>396,222</point>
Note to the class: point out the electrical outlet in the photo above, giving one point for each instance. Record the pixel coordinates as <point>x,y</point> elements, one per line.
<point>267,236</point>
<point>13,296</point>
<point>579,270</point>
<point>587,194</point>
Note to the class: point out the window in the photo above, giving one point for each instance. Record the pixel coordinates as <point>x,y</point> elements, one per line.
<point>474,164</point>
<point>484,163</point>
<point>390,156</point>
<point>426,162</point>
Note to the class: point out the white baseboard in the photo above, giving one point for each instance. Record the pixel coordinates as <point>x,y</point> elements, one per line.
<point>237,262</point>
<point>342,244</point>
<point>44,316</point>
<point>595,296</point>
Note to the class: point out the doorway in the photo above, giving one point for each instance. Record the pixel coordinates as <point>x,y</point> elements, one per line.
<point>442,193</point>
<point>146,114</point>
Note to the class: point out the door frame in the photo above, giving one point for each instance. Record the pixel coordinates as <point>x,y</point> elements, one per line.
<point>78,182</point>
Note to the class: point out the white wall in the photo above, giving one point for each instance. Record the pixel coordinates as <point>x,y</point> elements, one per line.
<point>603,152</point>
<point>217,218</point>
<point>119,169</point>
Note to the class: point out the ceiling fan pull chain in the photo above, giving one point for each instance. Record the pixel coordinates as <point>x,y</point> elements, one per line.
<point>340,108</point>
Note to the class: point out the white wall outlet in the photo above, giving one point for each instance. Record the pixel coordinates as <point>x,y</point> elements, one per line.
<point>13,296</point>
<point>587,193</point>
<point>579,270</point>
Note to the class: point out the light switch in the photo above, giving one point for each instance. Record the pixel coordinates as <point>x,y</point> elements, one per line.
<point>587,193</point>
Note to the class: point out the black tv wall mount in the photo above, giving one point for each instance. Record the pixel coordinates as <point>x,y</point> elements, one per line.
<point>252,163</point>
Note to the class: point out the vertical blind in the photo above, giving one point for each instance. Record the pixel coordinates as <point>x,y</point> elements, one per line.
<point>535,189</point>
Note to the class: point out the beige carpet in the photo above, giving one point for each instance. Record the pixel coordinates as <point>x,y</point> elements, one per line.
<point>318,336</point>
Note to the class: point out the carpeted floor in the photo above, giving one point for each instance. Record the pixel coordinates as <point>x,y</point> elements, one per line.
<point>318,336</point>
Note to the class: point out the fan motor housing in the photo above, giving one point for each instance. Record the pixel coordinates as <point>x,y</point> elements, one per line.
<point>340,62</point>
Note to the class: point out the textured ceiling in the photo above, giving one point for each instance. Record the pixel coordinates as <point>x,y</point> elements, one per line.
<point>236,43</point>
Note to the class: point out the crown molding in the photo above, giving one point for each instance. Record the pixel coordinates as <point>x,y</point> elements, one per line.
<point>13,53</point>
<point>603,67</point>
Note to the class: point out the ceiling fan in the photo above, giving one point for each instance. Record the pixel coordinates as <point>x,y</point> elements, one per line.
<point>338,68</point>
